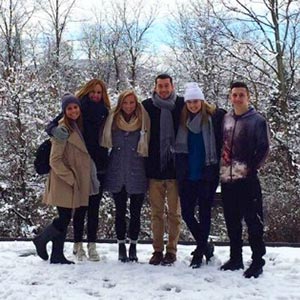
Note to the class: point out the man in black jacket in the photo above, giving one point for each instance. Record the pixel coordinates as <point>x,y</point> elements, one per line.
<point>245,148</point>
<point>164,109</point>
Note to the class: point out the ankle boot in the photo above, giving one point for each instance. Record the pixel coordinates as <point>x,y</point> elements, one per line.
<point>197,258</point>
<point>79,252</point>
<point>156,258</point>
<point>92,251</point>
<point>57,255</point>
<point>255,269</point>
<point>209,251</point>
<point>234,263</point>
<point>122,252</point>
<point>132,251</point>
<point>40,241</point>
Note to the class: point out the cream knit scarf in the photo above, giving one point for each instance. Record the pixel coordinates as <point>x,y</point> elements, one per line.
<point>139,120</point>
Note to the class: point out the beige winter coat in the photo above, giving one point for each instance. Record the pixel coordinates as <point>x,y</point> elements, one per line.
<point>68,183</point>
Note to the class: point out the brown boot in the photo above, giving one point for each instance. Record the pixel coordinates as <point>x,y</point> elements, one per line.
<point>156,258</point>
<point>168,259</point>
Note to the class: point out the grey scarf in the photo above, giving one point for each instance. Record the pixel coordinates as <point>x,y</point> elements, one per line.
<point>194,125</point>
<point>167,134</point>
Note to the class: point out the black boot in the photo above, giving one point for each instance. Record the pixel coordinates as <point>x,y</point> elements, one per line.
<point>234,263</point>
<point>255,269</point>
<point>197,259</point>
<point>209,251</point>
<point>57,255</point>
<point>40,241</point>
<point>122,253</point>
<point>132,252</point>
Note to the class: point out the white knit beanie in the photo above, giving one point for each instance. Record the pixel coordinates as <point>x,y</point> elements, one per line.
<point>192,92</point>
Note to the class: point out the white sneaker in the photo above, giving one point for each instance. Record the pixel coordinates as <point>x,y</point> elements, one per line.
<point>79,252</point>
<point>92,252</point>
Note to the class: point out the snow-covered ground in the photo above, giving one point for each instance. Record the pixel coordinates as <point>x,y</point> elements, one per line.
<point>25,276</point>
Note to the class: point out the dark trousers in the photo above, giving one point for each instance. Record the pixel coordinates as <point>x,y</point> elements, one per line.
<point>62,222</point>
<point>135,206</point>
<point>243,200</point>
<point>193,194</point>
<point>92,211</point>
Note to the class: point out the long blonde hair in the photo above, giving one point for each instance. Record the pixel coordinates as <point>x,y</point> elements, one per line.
<point>122,96</point>
<point>206,110</point>
<point>89,86</point>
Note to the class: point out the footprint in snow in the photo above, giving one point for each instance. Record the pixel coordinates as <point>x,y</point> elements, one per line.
<point>107,284</point>
<point>169,287</point>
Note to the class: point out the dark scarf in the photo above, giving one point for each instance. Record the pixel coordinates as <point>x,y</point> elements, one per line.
<point>167,134</point>
<point>94,115</point>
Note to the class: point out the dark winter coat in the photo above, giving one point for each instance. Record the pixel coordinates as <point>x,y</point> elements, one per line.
<point>246,145</point>
<point>94,115</point>
<point>125,167</point>
<point>153,161</point>
<point>210,173</point>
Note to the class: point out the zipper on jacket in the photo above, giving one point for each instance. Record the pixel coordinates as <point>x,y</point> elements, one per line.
<point>231,146</point>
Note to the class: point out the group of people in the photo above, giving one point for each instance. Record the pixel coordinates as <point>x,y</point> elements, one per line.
<point>177,149</point>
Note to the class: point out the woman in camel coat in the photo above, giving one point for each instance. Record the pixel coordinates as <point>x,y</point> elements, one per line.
<point>69,184</point>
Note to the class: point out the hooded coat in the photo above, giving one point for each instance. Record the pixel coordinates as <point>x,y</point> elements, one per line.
<point>246,145</point>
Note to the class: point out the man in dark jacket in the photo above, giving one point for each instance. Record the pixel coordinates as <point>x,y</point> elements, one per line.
<point>245,148</point>
<point>164,109</point>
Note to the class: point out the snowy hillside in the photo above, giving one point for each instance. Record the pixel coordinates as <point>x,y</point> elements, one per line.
<point>25,276</point>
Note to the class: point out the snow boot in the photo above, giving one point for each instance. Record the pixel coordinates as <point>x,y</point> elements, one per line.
<point>92,252</point>
<point>234,263</point>
<point>79,252</point>
<point>40,241</point>
<point>132,251</point>
<point>57,255</point>
<point>122,255</point>
<point>255,269</point>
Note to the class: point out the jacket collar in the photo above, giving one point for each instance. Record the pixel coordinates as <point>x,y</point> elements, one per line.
<point>77,141</point>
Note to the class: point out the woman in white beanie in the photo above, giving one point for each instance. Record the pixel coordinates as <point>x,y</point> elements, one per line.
<point>198,147</point>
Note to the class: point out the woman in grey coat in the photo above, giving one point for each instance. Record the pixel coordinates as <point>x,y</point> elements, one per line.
<point>126,133</point>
